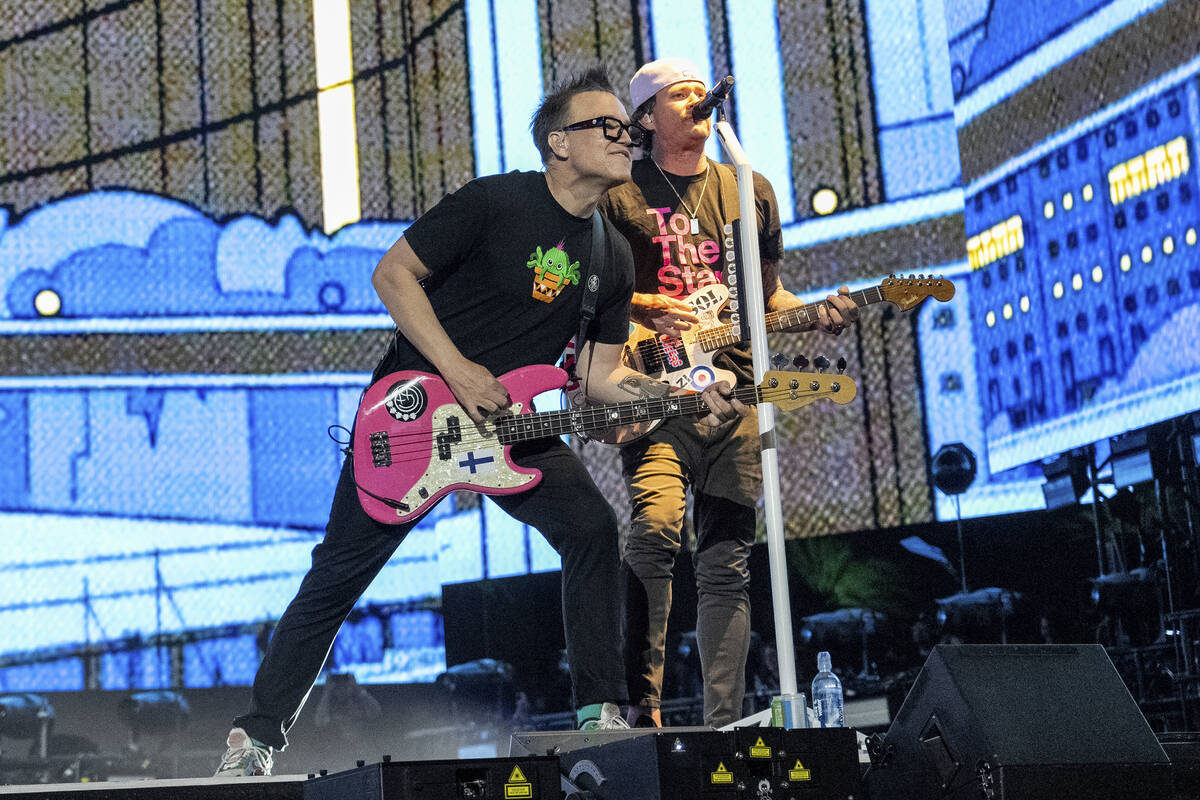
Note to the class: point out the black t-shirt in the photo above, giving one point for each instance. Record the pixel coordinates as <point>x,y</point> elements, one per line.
<point>506,265</point>
<point>668,258</point>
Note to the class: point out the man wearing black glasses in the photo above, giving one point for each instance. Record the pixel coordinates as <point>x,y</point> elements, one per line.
<point>613,128</point>
<point>485,282</point>
<point>676,212</point>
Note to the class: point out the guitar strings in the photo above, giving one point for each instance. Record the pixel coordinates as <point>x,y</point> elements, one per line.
<point>404,452</point>
<point>710,339</point>
<point>558,422</point>
<point>400,450</point>
<point>724,335</point>
<point>714,338</point>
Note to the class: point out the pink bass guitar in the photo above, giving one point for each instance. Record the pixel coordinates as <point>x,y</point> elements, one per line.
<point>414,444</point>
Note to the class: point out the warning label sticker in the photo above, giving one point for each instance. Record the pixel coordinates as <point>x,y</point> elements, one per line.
<point>517,787</point>
<point>799,773</point>
<point>760,749</point>
<point>721,775</point>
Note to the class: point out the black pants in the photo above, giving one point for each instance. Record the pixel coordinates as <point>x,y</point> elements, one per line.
<point>721,467</point>
<point>565,506</point>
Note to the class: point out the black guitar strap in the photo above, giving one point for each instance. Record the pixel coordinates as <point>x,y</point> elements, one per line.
<point>591,293</point>
<point>731,209</point>
<point>727,180</point>
<point>591,290</point>
<point>591,281</point>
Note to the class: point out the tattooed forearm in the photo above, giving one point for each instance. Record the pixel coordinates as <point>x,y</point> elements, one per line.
<point>642,386</point>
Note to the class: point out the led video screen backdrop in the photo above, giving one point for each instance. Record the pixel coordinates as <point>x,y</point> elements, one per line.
<point>193,196</point>
<point>1077,128</point>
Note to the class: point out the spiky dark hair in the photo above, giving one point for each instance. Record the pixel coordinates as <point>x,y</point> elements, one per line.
<point>551,114</point>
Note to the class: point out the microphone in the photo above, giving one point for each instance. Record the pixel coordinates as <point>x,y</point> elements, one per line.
<point>714,98</point>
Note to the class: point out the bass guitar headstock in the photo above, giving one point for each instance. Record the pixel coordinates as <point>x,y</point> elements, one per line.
<point>790,390</point>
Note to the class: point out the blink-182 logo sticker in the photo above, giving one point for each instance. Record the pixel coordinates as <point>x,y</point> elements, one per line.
<point>406,401</point>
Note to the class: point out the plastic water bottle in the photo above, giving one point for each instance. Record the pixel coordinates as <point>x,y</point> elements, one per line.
<point>827,694</point>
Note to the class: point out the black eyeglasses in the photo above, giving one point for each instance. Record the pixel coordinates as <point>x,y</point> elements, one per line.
<point>612,128</point>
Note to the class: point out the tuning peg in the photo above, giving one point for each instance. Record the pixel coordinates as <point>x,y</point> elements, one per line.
<point>841,365</point>
<point>821,363</point>
<point>779,361</point>
<point>800,362</point>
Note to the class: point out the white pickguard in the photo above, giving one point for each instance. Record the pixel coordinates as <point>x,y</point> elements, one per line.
<point>695,369</point>
<point>477,459</point>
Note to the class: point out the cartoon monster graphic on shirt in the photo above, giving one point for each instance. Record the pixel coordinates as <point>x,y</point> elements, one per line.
<point>553,271</point>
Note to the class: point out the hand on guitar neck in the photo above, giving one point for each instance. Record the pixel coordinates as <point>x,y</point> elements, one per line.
<point>719,399</point>
<point>670,316</point>
<point>662,314</point>
<point>412,446</point>
<point>685,360</point>
<point>836,313</point>
<point>723,404</point>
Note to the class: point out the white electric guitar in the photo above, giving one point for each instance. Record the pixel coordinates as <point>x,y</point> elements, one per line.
<point>687,362</point>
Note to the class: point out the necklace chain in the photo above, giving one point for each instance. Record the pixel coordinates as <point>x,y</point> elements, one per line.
<point>699,200</point>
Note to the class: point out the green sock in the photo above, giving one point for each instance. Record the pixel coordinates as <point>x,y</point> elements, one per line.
<point>588,712</point>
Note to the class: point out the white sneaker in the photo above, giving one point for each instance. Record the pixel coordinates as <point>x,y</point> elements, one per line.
<point>244,757</point>
<point>611,719</point>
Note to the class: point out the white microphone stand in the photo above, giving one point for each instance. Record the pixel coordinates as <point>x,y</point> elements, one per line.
<point>751,305</point>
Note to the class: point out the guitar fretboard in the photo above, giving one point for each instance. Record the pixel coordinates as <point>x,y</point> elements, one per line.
<point>725,335</point>
<point>525,427</point>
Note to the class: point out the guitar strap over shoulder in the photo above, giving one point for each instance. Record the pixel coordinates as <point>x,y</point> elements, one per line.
<point>731,211</point>
<point>591,281</point>
<point>729,192</point>
<point>591,293</point>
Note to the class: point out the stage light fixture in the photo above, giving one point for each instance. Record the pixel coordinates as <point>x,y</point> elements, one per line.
<point>954,468</point>
<point>844,628</point>
<point>485,685</point>
<point>154,712</point>
<point>1131,603</point>
<point>1066,477</point>
<point>27,716</point>
<point>982,609</point>
<point>841,627</point>
<point>481,671</point>
<point>22,716</point>
<point>1131,459</point>
<point>1118,591</point>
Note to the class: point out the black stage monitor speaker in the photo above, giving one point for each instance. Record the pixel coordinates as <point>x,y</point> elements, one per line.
<point>1027,722</point>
